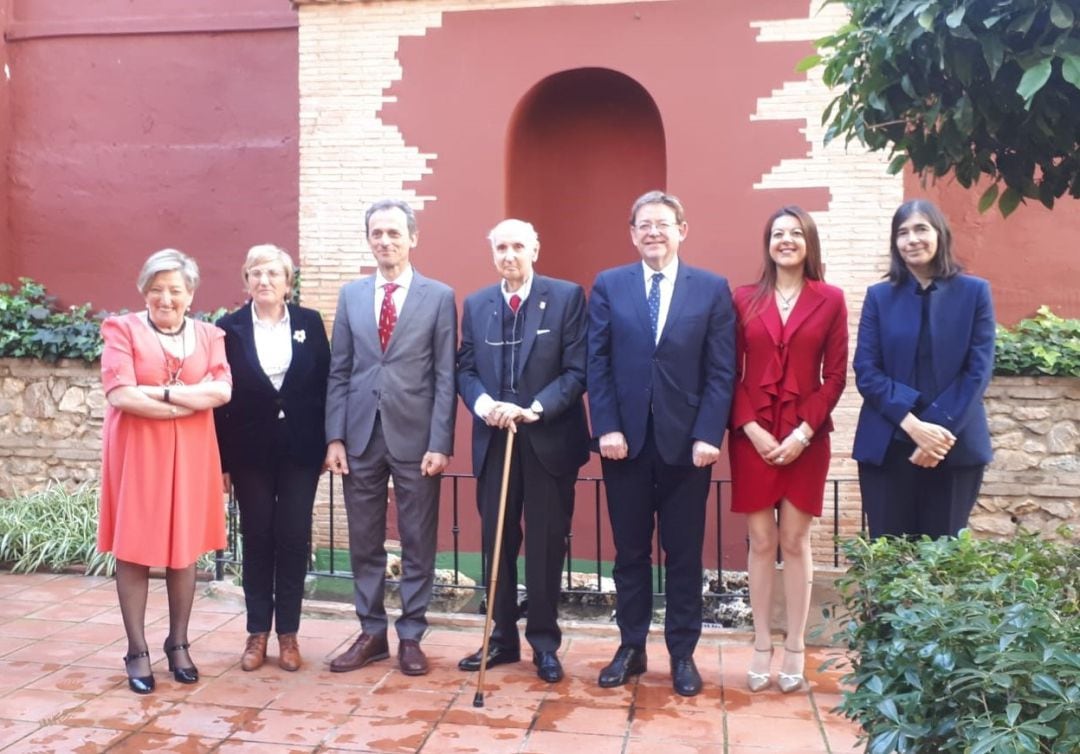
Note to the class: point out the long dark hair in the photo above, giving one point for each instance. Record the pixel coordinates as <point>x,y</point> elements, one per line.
<point>812,268</point>
<point>944,264</point>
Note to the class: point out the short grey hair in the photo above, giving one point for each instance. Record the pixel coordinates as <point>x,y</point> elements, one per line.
<point>513,223</point>
<point>658,197</point>
<point>169,260</point>
<point>385,204</point>
<point>268,252</point>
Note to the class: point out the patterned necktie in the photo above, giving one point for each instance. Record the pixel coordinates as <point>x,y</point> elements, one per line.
<point>515,303</point>
<point>387,314</point>
<point>654,303</point>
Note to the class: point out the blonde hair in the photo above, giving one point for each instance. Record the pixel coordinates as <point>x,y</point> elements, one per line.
<point>268,252</point>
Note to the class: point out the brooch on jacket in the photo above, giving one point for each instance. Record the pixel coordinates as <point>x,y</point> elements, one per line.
<point>299,336</point>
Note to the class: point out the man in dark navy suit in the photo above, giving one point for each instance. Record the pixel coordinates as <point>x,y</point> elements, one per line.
<point>521,368</point>
<point>660,375</point>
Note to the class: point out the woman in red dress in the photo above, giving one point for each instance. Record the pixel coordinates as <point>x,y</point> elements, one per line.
<point>791,355</point>
<point>161,501</point>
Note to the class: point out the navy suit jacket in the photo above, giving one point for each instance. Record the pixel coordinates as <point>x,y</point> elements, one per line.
<point>685,380</point>
<point>247,426</point>
<point>550,369</point>
<point>962,331</point>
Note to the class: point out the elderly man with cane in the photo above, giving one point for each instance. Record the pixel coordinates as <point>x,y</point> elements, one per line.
<point>521,370</point>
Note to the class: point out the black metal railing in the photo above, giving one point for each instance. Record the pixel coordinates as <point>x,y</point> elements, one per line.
<point>230,557</point>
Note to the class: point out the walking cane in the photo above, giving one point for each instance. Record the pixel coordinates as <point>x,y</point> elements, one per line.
<point>493,580</point>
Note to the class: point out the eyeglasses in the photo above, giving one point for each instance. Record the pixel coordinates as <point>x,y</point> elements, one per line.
<point>268,274</point>
<point>661,227</point>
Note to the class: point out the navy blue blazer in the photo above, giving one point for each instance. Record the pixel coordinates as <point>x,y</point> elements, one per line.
<point>685,380</point>
<point>247,426</point>
<point>962,329</point>
<point>550,369</point>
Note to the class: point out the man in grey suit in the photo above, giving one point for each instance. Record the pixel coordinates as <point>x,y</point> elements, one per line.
<point>390,412</point>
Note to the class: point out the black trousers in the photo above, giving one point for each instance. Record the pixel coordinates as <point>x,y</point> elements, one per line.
<point>904,500</point>
<point>643,492</point>
<point>547,503</point>
<point>275,503</point>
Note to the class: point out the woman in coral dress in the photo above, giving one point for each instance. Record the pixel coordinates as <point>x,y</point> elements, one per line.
<point>161,501</point>
<point>791,356</point>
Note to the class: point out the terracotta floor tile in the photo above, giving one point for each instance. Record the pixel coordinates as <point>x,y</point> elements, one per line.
<point>210,720</point>
<point>320,697</point>
<point>18,673</point>
<point>61,738</point>
<point>129,712</point>
<point>285,726</point>
<point>51,650</point>
<point>141,743</point>
<point>436,680</point>
<point>374,734</point>
<point>473,738</point>
<point>426,705</point>
<point>780,748</point>
<point>650,746</point>
<point>38,706</point>
<point>50,594</point>
<point>578,689</point>
<point>17,607</point>
<point>550,742</point>
<point>753,730</point>
<point>239,690</point>
<point>664,697</point>
<point>768,703</point>
<point>81,679</point>
<point>31,628</point>
<point>68,611</point>
<point>9,645</point>
<point>210,664</point>
<point>97,596</point>
<point>567,717</point>
<point>696,726</point>
<point>497,712</point>
<point>843,736</point>
<point>12,730</point>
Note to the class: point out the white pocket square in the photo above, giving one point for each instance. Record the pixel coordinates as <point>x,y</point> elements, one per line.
<point>542,332</point>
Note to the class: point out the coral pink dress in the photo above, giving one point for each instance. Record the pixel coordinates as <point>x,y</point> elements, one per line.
<point>161,498</point>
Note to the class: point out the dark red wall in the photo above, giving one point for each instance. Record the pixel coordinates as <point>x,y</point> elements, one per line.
<point>1030,258</point>
<point>141,126</point>
<point>7,266</point>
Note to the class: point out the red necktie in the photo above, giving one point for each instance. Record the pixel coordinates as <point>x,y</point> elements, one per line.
<point>387,314</point>
<point>515,303</point>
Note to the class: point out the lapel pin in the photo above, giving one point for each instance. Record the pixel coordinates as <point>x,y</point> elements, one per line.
<point>543,305</point>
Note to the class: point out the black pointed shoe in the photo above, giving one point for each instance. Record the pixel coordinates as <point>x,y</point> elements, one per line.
<point>182,675</point>
<point>548,667</point>
<point>496,656</point>
<point>685,678</point>
<point>627,661</point>
<point>140,684</point>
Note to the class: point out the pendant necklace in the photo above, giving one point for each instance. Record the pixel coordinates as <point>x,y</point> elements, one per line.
<point>786,302</point>
<point>173,375</point>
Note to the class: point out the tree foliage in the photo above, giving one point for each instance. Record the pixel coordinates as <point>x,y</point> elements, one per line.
<point>968,87</point>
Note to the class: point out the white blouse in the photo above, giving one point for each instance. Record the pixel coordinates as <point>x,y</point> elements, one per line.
<point>273,344</point>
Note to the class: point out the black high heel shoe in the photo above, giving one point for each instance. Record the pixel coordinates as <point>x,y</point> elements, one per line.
<point>182,675</point>
<point>141,684</point>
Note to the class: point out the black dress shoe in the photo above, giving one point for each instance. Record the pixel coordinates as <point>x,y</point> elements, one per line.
<point>496,656</point>
<point>548,666</point>
<point>140,684</point>
<point>685,678</point>
<point>189,674</point>
<point>627,661</point>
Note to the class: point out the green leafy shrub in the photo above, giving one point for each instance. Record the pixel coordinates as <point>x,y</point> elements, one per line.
<point>52,530</point>
<point>32,326</point>
<point>1045,344</point>
<point>963,645</point>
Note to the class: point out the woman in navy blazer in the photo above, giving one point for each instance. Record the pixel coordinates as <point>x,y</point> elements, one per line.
<point>923,359</point>
<point>273,445</point>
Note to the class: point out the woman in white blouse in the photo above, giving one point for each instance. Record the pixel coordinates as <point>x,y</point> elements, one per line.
<point>272,445</point>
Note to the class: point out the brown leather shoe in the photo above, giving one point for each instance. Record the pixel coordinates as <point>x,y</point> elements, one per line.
<point>254,652</point>
<point>366,649</point>
<point>288,652</point>
<point>411,658</point>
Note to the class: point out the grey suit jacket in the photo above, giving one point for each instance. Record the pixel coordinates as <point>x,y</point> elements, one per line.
<point>410,386</point>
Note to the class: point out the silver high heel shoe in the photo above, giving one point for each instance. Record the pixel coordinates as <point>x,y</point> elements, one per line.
<point>790,682</point>
<point>759,681</point>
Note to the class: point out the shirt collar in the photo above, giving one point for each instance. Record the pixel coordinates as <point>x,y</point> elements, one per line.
<point>670,270</point>
<point>522,292</point>
<point>404,280</point>
<point>263,323</point>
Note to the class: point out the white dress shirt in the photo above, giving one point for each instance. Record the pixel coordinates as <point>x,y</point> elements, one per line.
<point>403,281</point>
<point>273,345</point>
<point>667,290</point>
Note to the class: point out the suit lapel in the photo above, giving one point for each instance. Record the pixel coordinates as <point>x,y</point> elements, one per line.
<point>635,292</point>
<point>369,326</point>
<point>533,317</point>
<point>491,311</point>
<point>679,296</point>
<point>297,363</point>
<point>905,316</point>
<point>245,328</point>
<point>414,300</point>
<point>809,301</point>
